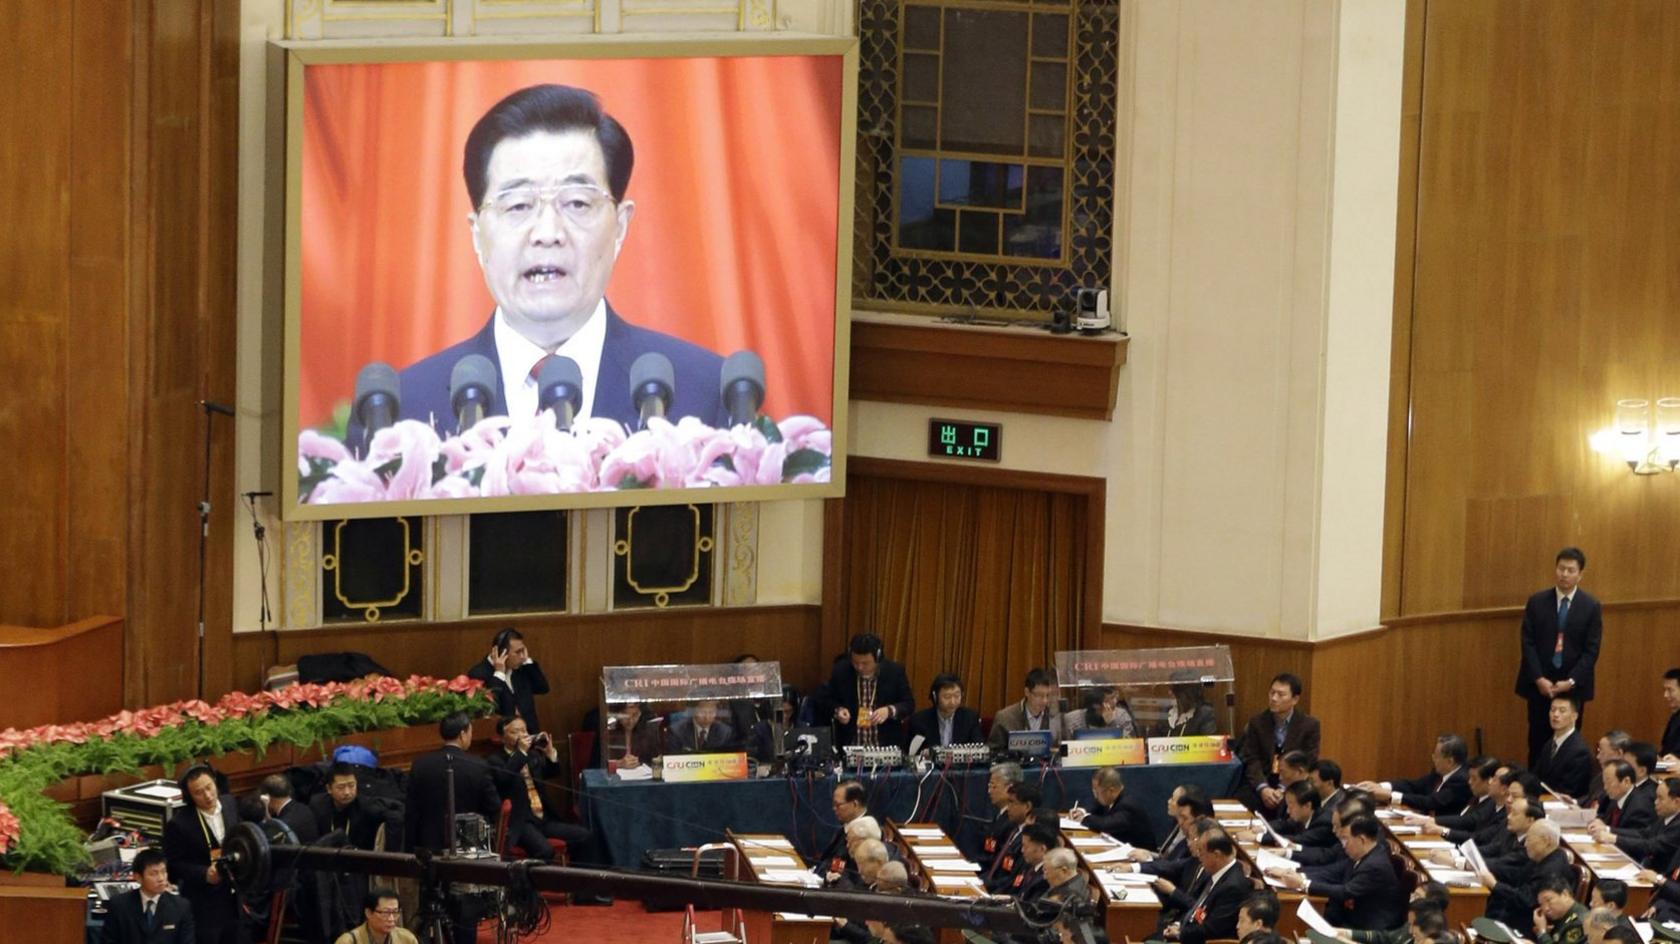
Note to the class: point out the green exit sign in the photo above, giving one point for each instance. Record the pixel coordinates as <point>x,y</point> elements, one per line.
<point>959,439</point>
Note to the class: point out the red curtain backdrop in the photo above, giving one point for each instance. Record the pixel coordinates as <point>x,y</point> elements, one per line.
<point>733,244</point>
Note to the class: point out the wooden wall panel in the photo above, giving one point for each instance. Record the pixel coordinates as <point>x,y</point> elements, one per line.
<point>571,650</point>
<point>1543,289</point>
<point>47,693</point>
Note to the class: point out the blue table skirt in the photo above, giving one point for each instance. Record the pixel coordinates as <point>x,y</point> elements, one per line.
<point>629,818</point>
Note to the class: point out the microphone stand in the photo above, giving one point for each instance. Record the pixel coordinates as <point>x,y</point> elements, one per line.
<point>210,411</point>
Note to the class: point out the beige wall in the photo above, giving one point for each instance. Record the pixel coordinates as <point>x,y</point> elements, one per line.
<point>1258,149</point>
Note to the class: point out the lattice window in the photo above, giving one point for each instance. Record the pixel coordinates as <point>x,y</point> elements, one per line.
<point>986,139</point>
<point>663,556</point>
<point>516,563</point>
<point>372,569</point>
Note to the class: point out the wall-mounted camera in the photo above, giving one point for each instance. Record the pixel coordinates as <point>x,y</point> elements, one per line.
<point>1090,310</point>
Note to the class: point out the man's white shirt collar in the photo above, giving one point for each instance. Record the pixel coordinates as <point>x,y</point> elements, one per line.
<point>1560,738</point>
<point>517,355</point>
<point>1561,596</point>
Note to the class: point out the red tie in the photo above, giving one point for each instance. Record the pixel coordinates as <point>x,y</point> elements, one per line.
<point>538,366</point>
<point>1615,815</point>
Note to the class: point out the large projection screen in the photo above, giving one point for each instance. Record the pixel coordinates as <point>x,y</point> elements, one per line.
<point>550,276</point>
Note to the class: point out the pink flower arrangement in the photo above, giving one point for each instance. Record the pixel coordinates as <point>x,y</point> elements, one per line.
<point>9,829</point>
<point>151,721</point>
<point>499,457</point>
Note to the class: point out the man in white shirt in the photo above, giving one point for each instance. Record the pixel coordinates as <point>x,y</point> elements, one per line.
<point>192,842</point>
<point>150,914</point>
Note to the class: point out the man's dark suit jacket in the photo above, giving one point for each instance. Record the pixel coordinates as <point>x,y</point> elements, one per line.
<point>1431,794</point>
<point>697,373</point>
<point>680,738</point>
<point>1480,811</point>
<point>215,907</point>
<point>1217,918</point>
<point>428,796</point>
<point>1567,768</point>
<point>1513,902</point>
<point>1368,896</point>
<point>360,821</point>
<point>1653,847</point>
<point>1671,735</point>
<point>1124,820</point>
<point>1258,747</point>
<point>301,819</point>
<point>1638,811</point>
<point>1189,881</point>
<point>125,921</point>
<point>1029,884</point>
<point>528,683</point>
<point>1170,858</point>
<point>965,727</point>
<point>892,690</point>
<point>505,767</point>
<point>1581,638</point>
<point>1317,832</point>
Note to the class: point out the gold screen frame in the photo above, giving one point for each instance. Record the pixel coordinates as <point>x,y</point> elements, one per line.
<point>295,57</point>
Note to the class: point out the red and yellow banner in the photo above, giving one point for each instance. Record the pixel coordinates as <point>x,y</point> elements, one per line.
<point>1199,749</point>
<point>693,768</point>
<point>1104,752</point>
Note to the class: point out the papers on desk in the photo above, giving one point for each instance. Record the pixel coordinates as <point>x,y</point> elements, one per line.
<point>159,791</point>
<point>1474,856</point>
<point>790,916</point>
<point>1311,918</point>
<point>1428,844</point>
<point>1120,853</point>
<point>949,865</point>
<point>1625,873</point>
<point>1644,929</point>
<point>1580,839</point>
<point>631,774</point>
<point>773,862</point>
<point>1221,806</point>
<point>957,881</point>
<point>1456,877</point>
<point>936,852</point>
<point>1401,829</point>
<point>1386,813</point>
<point>1073,824</point>
<point>790,877</point>
<point>772,842</point>
<point>1601,857</point>
<point>1270,860</point>
<point>1090,842</point>
<point>1122,888</point>
<point>921,832</point>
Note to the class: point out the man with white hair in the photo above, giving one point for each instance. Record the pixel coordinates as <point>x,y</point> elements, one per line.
<point>1513,902</point>
<point>874,872</point>
<point>892,879</point>
<point>1061,871</point>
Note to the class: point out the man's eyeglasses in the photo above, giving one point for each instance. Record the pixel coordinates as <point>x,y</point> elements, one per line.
<point>580,203</point>
<point>389,912</point>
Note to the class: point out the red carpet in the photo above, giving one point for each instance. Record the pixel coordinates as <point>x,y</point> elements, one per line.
<point>624,923</point>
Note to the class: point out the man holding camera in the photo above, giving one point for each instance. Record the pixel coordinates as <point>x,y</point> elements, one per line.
<point>192,845</point>
<point>519,769</point>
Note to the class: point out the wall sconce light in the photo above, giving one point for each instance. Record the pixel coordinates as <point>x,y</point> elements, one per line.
<point>1647,444</point>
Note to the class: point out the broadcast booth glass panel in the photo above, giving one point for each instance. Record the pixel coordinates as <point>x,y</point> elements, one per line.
<point>648,711</point>
<point>1148,692</point>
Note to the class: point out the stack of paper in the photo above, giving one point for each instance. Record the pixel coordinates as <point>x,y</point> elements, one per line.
<point>1120,853</point>
<point>1130,894</point>
<point>1446,876</point>
<point>1428,844</point>
<point>1268,861</point>
<point>1401,829</point>
<point>921,832</point>
<point>773,842</point>
<point>1091,842</point>
<point>1073,824</point>
<point>773,862</point>
<point>1126,878</point>
<point>790,916</point>
<point>950,865</point>
<point>790,877</point>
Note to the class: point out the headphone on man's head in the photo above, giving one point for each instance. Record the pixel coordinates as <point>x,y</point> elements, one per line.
<point>940,681</point>
<point>872,641</point>
<point>193,773</point>
<point>504,639</point>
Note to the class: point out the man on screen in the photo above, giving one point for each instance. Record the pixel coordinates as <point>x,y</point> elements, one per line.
<point>546,171</point>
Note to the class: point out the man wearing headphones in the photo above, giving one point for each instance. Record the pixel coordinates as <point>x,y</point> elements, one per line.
<point>513,677</point>
<point>867,696</point>
<point>947,722</point>
<point>192,844</point>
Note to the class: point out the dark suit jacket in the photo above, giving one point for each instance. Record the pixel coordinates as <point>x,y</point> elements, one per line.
<point>360,821</point>
<point>1029,883</point>
<point>505,772</point>
<point>697,372</point>
<point>214,906</point>
<point>1567,768</point>
<point>680,738</point>
<point>1478,813</point>
<point>1513,902</point>
<point>1124,820</point>
<point>1638,811</point>
<point>125,921</point>
<point>1201,721</point>
<point>1581,638</point>
<point>1671,735</point>
<point>892,689</point>
<point>528,683</point>
<point>1431,794</point>
<point>302,821</point>
<point>965,727</point>
<point>1258,746</point>
<point>1217,917</point>
<point>1368,896</point>
<point>428,796</point>
<point>1655,846</point>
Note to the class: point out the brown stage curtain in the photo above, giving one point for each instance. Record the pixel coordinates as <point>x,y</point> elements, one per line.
<point>985,582</point>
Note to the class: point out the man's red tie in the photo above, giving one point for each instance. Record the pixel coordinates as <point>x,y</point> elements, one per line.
<point>538,366</point>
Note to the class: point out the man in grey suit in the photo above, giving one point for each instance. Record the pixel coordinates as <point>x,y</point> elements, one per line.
<point>1036,711</point>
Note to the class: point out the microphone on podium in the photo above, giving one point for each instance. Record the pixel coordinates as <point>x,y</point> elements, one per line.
<point>472,390</point>
<point>378,400</point>
<point>742,387</point>
<point>653,386</point>
<point>560,388</point>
